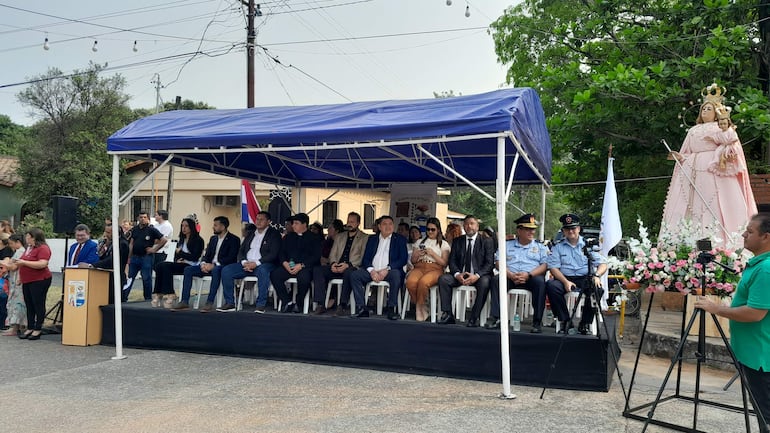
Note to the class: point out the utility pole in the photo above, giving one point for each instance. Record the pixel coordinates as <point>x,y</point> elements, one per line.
<point>154,195</point>
<point>170,185</point>
<point>250,40</point>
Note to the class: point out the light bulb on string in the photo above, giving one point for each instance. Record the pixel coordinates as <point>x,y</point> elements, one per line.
<point>467,11</point>
<point>135,47</point>
<point>95,48</point>
<point>45,45</point>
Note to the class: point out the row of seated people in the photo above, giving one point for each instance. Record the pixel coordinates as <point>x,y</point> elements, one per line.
<point>358,259</point>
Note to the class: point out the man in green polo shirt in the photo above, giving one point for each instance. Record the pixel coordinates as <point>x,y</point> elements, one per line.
<point>749,321</point>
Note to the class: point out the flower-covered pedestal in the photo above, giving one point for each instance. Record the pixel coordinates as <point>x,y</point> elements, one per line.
<point>711,328</point>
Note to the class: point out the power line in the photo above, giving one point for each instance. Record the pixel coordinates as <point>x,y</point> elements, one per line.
<point>597,182</point>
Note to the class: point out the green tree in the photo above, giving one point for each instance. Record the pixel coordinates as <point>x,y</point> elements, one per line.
<point>12,136</point>
<point>68,154</point>
<point>620,73</point>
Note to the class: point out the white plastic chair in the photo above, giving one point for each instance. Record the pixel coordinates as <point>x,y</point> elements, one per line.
<point>292,283</point>
<point>383,287</point>
<point>462,299</point>
<point>571,298</point>
<point>240,288</point>
<point>519,301</point>
<point>197,285</point>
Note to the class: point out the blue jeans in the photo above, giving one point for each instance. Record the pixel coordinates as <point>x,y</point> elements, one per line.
<point>3,307</point>
<point>195,271</point>
<point>360,277</point>
<point>143,264</point>
<point>235,271</point>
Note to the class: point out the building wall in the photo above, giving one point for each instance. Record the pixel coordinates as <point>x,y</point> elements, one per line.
<point>10,205</point>
<point>195,192</point>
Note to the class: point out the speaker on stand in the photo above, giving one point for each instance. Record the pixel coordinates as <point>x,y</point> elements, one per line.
<point>65,218</point>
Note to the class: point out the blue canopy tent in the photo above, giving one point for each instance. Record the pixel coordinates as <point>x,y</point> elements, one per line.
<point>475,140</point>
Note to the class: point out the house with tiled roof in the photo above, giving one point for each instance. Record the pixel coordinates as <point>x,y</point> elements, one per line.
<point>10,203</point>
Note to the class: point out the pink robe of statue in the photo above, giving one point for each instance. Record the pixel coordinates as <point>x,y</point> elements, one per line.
<point>729,197</point>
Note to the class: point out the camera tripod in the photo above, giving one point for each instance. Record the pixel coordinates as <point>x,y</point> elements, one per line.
<point>592,294</point>
<point>700,356</point>
<point>56,313</point>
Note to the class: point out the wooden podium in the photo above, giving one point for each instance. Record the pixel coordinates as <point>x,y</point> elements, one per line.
<point>85,290</point>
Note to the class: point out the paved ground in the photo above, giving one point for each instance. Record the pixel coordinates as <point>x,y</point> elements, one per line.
<point>45,386</point>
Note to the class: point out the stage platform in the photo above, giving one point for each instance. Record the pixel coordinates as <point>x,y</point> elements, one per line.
<point>585,362</point>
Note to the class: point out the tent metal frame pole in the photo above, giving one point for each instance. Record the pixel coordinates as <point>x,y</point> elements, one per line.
<point>510,176</point>
<point>313,146</point>
<point>117,288</point>
<point>133,190</point>
<point>505,356</point>
<point>520,151</point>
<point>459,176</point>
<point>324,201</point>
<point>542,211</point>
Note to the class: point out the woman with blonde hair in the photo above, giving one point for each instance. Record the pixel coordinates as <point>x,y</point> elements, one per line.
<point>430,256</point>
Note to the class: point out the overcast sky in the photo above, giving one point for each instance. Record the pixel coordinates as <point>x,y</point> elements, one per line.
<point>331,51</point>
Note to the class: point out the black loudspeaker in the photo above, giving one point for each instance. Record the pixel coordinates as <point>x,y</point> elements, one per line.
<point>65,213</point>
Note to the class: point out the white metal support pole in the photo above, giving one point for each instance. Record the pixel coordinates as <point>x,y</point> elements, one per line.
<point>542,212</point>
<point>117,287</point>
<point>505,356</point>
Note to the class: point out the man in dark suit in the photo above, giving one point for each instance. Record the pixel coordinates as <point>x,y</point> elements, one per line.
<point>470,264</point>
<point>257,257</point>
<point>384,259</point>
<point>84,250</point>
<point>221,251</point>
<point>105,259</point>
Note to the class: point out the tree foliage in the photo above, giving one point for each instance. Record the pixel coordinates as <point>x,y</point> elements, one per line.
<point>621,73</point>
<point>68,155</point>
<point>12,136</point>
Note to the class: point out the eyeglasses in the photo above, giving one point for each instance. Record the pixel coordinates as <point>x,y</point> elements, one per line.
<point>431,229</point>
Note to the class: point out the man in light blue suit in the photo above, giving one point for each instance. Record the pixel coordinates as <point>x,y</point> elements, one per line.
<point>84,249</point>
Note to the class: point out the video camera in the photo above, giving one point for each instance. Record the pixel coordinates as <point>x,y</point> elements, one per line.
<point>704,247</point>
<point>591,242</point>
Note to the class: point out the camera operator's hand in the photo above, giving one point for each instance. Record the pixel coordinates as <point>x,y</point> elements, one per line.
<point>597,282</point>
<point>570,286</point>
<point>706,304</point>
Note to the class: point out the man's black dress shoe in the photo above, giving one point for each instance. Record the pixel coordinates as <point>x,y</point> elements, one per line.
<point>363,312</point>
<point>583,329</point>
<point>393,314</point>
<point>446,319</point>
<point>472,323</point>
<point>492,323</point>
<point>536,328</point>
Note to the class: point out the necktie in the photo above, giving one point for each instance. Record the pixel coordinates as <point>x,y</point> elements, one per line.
<point>75,256</point>
<point>468,254</point>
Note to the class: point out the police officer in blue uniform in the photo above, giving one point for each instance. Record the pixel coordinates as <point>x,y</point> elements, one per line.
<point>525,262</point>
<point>568,264</point>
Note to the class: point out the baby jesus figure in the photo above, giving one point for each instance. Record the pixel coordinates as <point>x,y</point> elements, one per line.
<point>725,161</point>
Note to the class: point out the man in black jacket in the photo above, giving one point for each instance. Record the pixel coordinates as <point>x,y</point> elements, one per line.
<point>221,251</point>
<point>470,264</point>
<point>300,252</point>
<point>105,259</point>
<point>257,257</point>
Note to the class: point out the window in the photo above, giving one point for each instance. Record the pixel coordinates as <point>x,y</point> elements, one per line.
<point>142,203</point>
<point>370,211</point>
<point>329,212</point>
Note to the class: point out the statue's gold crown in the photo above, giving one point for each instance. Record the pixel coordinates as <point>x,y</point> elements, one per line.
<point>723,112</point>
<point>713,94</point>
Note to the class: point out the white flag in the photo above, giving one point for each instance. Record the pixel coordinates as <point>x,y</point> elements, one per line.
<point>611,232</point>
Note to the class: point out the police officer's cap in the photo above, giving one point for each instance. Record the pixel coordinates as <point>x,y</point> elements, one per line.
<point>526,221</point>
<point>569,221</point>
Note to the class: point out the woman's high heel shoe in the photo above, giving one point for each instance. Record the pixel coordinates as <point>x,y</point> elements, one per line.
<point>33,337</point>
<point>25,336</point>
